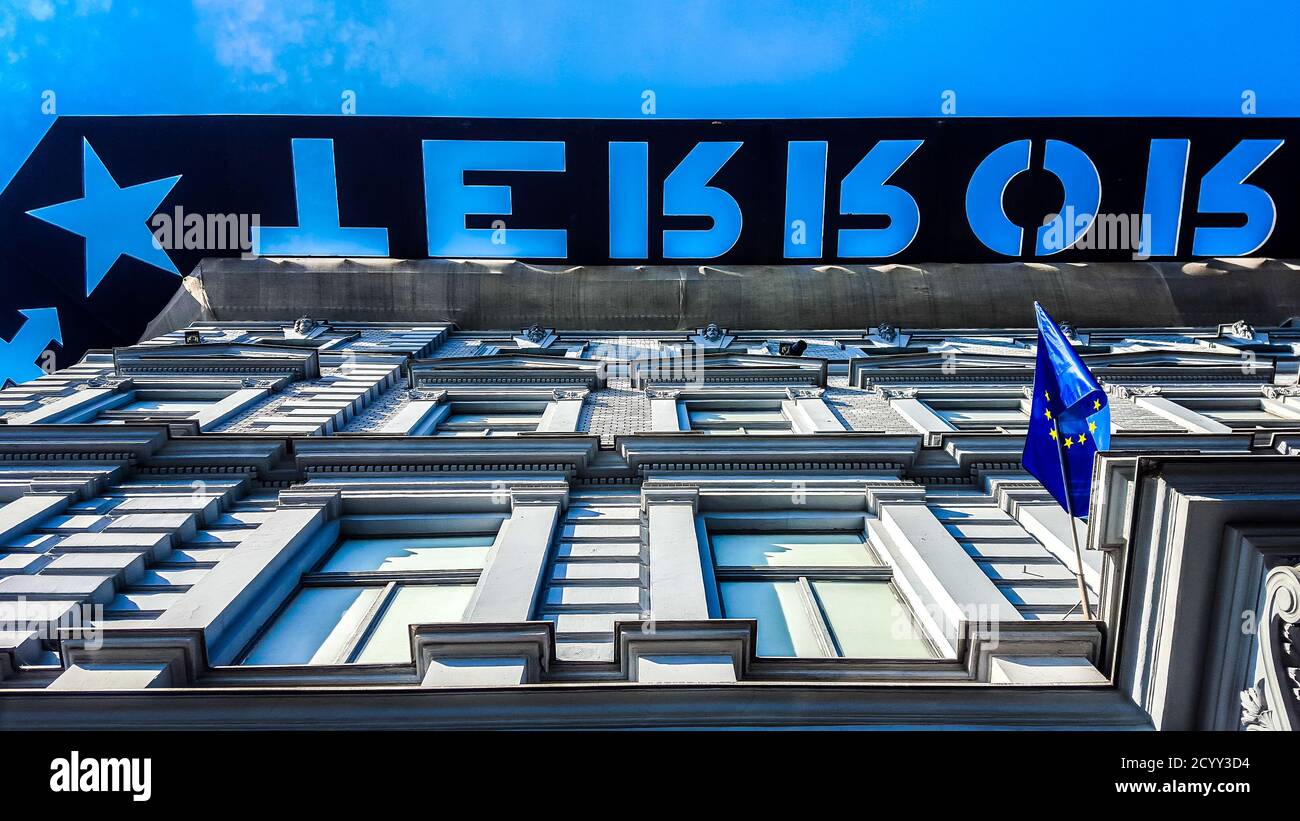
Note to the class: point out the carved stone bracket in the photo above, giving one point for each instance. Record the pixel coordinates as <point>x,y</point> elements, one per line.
<point>712,337</point>
<point>1280,391</point>
<point>731,639</point>
<point>417,395</point>
<point>183,651</point>
<point>1131,391</point>
<point>533,643</point>
<point>1274,702</point>
<point>535,336</point>
<point>805,393</point>
<point>562,394</point>
<point>662,393</point>
<point>110,382</point>
<point>304,327</point>
<point>1242,330</point>
<point>894,393</point>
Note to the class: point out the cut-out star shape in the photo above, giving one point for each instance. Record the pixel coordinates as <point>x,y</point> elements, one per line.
<point>114,220</point>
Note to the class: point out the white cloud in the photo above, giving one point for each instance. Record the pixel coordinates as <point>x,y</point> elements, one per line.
<point>252,37</point>
<point>41,10</point>
<point>15,14</point>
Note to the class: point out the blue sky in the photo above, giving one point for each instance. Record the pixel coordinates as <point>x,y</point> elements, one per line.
<point>746,58</point>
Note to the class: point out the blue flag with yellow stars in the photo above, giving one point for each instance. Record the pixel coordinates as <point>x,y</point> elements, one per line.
<point>1069,420</point>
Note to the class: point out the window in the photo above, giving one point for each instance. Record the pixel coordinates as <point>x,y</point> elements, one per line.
<point>815,595</point>
<point>488,424</point>
<point>152,410</point>
<point>982,413</point>
<point>357,607</point>
<point>1244,412</point>
<point>491,418</point>
<point>751,416</point>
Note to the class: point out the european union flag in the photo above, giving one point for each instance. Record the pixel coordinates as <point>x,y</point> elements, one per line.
<point>1069,420</point>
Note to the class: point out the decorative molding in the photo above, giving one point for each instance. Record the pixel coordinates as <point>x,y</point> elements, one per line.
<point>894,393</point>
<point>539,493</point>
<point>183,650</point>
<point>531,641</point>
<point>670,493</point>
<point>522,368</point>
<point>873,378</point>
<point>220,359</point>
<point>986,639</point>
<point>1274,702</point>
<point>535,336</point>
<point>1131,391</point>
<point>663,393</point>
<point>1241,329</point>
<point>570,394</point>
<point>330,499</point>
<point>805,393</point>
<point>111,382</point>
<point>417,395</point>
<point>733,638</point>
<point>304,327</point>
<point>1280,391</point>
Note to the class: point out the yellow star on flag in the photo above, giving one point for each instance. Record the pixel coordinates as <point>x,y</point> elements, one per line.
<point>1047,413</point>
<point>1047,396</point>
<point>1092,427</point>
<point>1081,439</point>
<point>1068,442</point>
<point>1096,404</point>
<point>1053,433</point>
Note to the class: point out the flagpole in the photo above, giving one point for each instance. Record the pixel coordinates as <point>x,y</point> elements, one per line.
<point>1074,534</point>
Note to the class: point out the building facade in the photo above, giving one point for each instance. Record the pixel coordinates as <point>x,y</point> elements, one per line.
<point>326,522</point>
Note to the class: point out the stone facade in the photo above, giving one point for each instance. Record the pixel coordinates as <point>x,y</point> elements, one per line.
<point>472,520</point>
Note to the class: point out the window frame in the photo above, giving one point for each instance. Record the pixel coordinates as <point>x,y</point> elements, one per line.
<point>1281,416</point>
<point>943,405</point>
<point>689,405</point>
<point>490,407</point>
<point>806,576</point>
<point>390,583</point>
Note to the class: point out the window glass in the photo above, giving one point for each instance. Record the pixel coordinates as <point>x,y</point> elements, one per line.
<point>390,640</point>
<point>168,405</point>
<point>785,625</point>
<point>315,627</point>
<point>868,620</point>
<point>402,553</point>
<point>978,413</point>
<point>493,420</point>
<point>491,424</point>
<point>790,550</point>
<point>1243,412</point>
<point>702,417</point>
<point>736,417</point>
